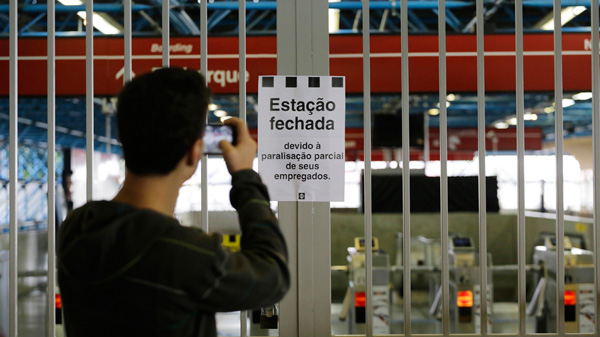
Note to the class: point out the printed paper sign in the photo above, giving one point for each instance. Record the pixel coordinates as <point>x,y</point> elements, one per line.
<point>477,307</point>
<point>587,308</point>
<point>301,126</point>
<point>381,310</point>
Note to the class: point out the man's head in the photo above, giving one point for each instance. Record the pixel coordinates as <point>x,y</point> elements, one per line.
<point>160,116</point>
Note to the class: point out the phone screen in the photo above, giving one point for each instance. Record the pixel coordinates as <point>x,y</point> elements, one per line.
<point>214,134</point>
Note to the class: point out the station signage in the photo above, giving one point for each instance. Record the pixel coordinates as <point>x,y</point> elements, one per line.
<point>301,127</point>
<point>345,55</point>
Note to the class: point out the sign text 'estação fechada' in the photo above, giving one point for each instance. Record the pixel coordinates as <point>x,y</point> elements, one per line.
<point>301,126</point>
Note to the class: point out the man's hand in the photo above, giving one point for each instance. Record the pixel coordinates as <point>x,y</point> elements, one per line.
<point>241,156</point>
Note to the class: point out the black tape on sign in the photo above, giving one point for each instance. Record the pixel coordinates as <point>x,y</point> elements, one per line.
<point>314,82</point>
<point>337,82</point>
<point>291,82</point>
<point>268,82</point>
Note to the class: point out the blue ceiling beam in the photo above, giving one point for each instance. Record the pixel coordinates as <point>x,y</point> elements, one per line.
<point>414,19</point>
<point>263,5</point>
<point>249,16</point>
<point>32,22</point>
<point>42,8</point>
<point>180,20</point>
<point>563,3</point>
<point>257,20</point>
<point>65,22</point>
<point>452,21</point>
<point>216,18</point>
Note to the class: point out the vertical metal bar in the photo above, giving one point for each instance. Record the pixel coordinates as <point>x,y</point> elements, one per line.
<point>444,168</point>
<point>51,328</point>
<point>405,169</point>
<point>288,211</point>
<point>242,58</point>
<point>558,127</point>
<point>520,105</point>
<point>596,146</point>
<point>242,107</point>
<point>368,226</point>
<point>108,133</point>
<point>426,143</point>
<point>127,66</point>
<point>13,139</point>
<point>165,33</point>
<point>319,211</point>
<point>89,97</point>
<point>204,70</point>
<point>482,176</point>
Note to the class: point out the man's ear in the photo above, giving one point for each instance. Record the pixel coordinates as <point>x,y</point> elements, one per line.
<point>195,152</point>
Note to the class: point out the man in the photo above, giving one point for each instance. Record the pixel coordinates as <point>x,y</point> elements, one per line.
<point>126,267</point>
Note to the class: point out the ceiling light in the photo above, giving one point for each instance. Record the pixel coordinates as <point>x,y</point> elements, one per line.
<point>334,18</point>
<point>566,15</point>
<point>224,118</point>
<point>582,96</point>
<point>212,106</point>
<point>530,116</point>
<point>512,121</point>
<point>101,24</point>
<point>451,97</point>
<point>447,104</point>
<point>220,113</point>
<point>433,112</point>
<point>549,109</point>
<point>567,102</point>
<point>501,125</point>
<point>71,2</point>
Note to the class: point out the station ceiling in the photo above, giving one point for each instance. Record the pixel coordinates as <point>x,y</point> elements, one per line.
<point>261,20</point>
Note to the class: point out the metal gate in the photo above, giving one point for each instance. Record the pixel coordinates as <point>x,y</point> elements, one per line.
<point>303,50</point>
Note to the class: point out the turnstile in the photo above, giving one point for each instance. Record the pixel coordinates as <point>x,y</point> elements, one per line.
<point>579,295</point>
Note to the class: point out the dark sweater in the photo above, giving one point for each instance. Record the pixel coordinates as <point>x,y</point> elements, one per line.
<point>125,271</point>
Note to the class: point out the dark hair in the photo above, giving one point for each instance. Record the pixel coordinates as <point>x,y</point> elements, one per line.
<point>159,116</point>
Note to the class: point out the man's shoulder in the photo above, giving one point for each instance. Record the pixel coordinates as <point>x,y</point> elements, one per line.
<point>108,211</point>
<point>96,219</point>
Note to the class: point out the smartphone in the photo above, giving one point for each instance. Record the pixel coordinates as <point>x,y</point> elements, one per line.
<point>214,133</point>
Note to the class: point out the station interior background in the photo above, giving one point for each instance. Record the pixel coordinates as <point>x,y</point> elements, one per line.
<point>347,219</point>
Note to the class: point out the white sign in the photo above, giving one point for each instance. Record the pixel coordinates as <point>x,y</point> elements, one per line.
<point>301,126</point>
<point>381,310</point>
<point>477,307</point>
<point>587,308</point>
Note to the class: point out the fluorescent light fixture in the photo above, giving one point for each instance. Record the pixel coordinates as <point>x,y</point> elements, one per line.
<point>212,106</point>
<point>220,113</point>
<point>334,18</point>
<point>530,116</point>
<point>541,248</point>
<point>577,251</point>
<point>582,96</point>
<point>71,2</point>
<point>433,112</point>
<point>501,125</point>
<point>567,102</point>
<point>566,15</point>
<point>101,24</point>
